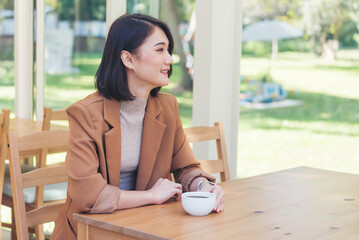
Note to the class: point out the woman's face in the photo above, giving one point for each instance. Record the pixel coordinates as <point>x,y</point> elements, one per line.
<point>151,63</point>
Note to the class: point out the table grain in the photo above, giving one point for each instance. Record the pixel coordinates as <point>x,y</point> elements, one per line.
<point>298,203</point>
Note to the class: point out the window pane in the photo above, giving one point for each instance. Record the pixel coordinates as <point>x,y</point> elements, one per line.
<point>7,89</point>
<point>301,107</point>
<point>75,34</point>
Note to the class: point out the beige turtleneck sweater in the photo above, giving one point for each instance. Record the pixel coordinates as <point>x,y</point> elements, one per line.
<point>132,114</point>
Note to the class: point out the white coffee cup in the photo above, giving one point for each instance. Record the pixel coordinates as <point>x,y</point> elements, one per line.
<point>198,203</point>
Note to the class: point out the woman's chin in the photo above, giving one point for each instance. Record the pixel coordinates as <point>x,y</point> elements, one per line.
<point>164,83</point>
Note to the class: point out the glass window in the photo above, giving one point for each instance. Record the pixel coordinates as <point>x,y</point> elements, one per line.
<point>7,90</point>
<point>75,33</point>
<point>299,103</point>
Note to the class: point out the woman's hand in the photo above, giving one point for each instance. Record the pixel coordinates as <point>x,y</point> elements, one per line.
<point>164,189</point>
<point>206,187</point>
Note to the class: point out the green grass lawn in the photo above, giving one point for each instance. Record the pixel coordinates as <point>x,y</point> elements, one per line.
<point>323,132</point>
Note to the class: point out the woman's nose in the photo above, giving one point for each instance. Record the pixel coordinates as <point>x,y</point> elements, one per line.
<point>169,59</point>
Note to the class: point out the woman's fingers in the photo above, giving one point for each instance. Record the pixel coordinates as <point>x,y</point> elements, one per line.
<point>220,198</point>
<point>220,208</point>
<point>178,194</point>
<point>165,189</point>
<point>219,193</point>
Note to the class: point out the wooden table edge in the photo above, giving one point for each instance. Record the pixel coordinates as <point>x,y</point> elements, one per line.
<point>81,219</point>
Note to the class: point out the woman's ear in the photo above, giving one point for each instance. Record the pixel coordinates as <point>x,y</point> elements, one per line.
<point>127,59</point>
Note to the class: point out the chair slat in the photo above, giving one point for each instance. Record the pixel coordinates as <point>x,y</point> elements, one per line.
<point>212,166</point>
<point>52,115</point>
<point>59,114</point>
<point>42,176</point>
<point>49,139</point>
<point>200,134</point>
<point>207,133</point>
<point>44,214</point>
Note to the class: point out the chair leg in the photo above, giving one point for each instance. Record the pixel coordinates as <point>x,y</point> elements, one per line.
<point>39,232</point>
<point>13,225</point>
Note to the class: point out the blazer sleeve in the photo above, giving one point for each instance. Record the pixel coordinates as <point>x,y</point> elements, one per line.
<point>82,160</point>
<point>185,167</point>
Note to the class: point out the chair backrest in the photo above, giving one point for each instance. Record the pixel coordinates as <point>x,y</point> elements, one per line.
<point>208,133</point>
<point>47,212</point>
<point>52,115</point>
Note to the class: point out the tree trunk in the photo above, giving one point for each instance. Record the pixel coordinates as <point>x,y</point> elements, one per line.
<point>170,15</point>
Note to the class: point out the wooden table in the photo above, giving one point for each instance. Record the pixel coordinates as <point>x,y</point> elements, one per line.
<point>299,203</point>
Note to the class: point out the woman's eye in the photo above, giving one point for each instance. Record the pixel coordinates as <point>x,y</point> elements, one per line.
<point>160,50</point>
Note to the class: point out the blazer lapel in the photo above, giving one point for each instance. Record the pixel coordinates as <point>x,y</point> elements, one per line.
<point>152,133</point>
<point>113,140</point>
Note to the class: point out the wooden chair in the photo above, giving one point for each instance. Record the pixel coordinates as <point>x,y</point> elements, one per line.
<point>4,129</point>
<point>6,194</point>
<point>207,133</point>
<point>42,212</point>
<point>30,198</point>
<point>52,115</point>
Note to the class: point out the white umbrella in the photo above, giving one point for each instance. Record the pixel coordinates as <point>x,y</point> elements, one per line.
<point>270,30</point>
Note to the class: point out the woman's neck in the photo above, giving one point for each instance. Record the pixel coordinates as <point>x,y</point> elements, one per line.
<point>137,88</point>
<point>140,93</point>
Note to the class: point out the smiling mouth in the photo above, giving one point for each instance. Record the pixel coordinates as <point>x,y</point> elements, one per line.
<point>165,72</point>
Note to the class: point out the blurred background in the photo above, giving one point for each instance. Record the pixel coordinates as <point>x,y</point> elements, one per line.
<point>299,89</point>
<point>299,92</point>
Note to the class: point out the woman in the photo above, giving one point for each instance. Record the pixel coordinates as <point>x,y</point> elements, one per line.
<point>127,137</point>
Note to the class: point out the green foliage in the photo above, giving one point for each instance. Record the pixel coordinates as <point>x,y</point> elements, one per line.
<point>294,45</point>
<point>261,49</point>
<point>6,48</point>
<point>256,48</point>
<point>257,10</point>
<point>6,4</point>
<point>346,34</point>
<point>87,10</point>
<point>322,20</point>
<point>184,9</point>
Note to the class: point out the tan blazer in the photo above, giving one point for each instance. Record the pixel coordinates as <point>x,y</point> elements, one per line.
<point>94,155</point>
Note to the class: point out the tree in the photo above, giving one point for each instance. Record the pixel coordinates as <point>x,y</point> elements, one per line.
<point>81,10</point>
<point>7,4</point>
<point>171,16</point>
<point>257,10</point>
<point>327,23</point>
<point>323,21</point>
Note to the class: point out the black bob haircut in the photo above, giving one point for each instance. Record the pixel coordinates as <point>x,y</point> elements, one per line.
<point>127,33</point>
